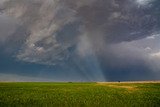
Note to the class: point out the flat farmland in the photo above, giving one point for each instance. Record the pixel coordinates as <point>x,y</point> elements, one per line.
<point>77,94</point>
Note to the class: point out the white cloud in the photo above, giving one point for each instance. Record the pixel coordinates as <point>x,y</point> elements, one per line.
<point>156,55</point>
<point>150,37</point>
<point>153,36</point>
<point>143,2</point>
<point>148,49</point>
<point>155,61</point>
<point>84,46</point>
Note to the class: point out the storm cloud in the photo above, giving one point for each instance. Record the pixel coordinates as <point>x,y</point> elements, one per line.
<point>97,40</point>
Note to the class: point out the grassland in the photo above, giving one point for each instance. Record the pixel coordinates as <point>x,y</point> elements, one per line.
<point>32,94</point>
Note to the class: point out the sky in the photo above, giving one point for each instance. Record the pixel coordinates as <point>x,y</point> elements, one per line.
<point>79,40</point>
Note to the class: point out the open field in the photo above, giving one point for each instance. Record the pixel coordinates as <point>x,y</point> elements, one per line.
<point>101,94</point>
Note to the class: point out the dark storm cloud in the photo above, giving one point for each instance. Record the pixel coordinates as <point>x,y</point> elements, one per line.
<point>107,20</point>
<point>123,20</point>
<point>86,36</point>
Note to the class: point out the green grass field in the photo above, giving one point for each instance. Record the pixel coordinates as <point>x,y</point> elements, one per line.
<point>47,94</point>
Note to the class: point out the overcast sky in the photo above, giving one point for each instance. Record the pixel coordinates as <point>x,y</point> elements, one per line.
<point>79,40</point>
